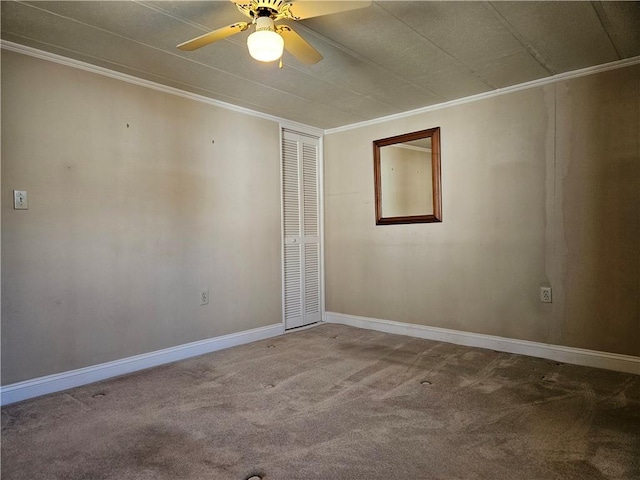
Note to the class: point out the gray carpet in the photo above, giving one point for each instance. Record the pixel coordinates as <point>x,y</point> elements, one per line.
<point>335,402</point>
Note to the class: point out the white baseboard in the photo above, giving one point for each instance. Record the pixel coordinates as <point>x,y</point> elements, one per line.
<point>559,353</point>
<point>36,387</point>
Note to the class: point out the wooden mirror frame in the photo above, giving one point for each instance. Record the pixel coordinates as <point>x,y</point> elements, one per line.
<point>436,216</point>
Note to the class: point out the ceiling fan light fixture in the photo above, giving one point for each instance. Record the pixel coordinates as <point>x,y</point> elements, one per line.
<point>265,44</point>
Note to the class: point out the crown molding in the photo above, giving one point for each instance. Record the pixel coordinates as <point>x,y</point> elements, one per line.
<point>494,93</point>
<point>286,123</point>
<point>70,62</point>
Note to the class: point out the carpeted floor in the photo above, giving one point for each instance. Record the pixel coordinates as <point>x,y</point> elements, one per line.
<point>335,402</point>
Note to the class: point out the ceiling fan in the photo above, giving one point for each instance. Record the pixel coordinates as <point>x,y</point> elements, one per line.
<point>268,41</point>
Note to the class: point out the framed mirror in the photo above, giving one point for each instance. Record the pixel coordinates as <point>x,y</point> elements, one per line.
<point>407,178</point>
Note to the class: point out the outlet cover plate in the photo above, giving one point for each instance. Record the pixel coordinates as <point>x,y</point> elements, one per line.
<point>545,294</point>
<point>204,296</point>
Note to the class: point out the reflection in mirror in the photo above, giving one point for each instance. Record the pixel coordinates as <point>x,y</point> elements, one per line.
<point>405,170</point>
<point>407,178</point>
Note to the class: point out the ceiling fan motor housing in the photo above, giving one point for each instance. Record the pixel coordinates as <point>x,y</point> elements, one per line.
<point>275,9</point>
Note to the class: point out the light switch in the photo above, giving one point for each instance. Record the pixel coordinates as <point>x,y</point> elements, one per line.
<point>20,200</point>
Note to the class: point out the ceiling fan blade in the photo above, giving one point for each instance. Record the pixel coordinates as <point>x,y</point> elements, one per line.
<point>301,9</point>
<point>298,46</point>
<point>214,36</point>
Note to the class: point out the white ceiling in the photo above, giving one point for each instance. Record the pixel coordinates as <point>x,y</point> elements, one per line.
<point>388,58</point>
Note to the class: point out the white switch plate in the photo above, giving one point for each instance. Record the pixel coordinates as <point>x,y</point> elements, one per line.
<point>20,200</point>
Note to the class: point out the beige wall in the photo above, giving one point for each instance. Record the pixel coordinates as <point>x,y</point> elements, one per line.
<point>540,187</point>
<point>133,210</point>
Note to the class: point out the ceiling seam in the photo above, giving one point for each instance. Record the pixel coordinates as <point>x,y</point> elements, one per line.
<point>366,60</point>
<point>606,26</point>
<point>529,48</point>
<point>138,42</point>
<point>282,92</point>
<point>162,11</point>
<point>451,56</point>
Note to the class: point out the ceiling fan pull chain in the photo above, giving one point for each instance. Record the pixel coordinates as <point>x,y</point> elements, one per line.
<point>280,64</point>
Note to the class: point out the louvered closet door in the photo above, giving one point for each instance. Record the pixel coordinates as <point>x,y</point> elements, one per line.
<point>301,211</point>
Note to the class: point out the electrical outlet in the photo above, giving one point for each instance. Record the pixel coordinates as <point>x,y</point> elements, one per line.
<point>204,297</point>
<point>545,294</point>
